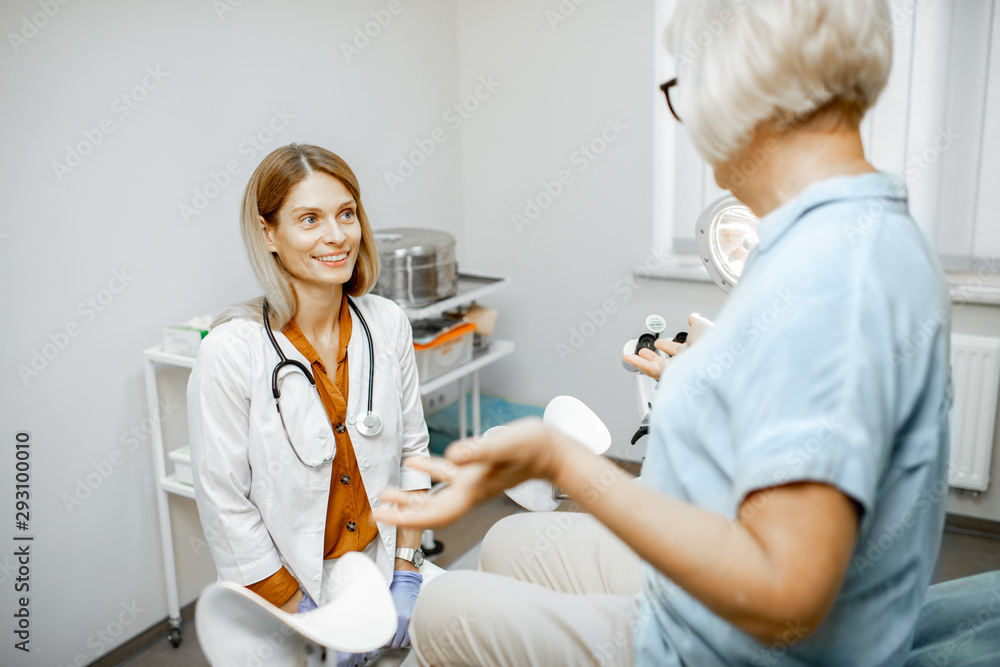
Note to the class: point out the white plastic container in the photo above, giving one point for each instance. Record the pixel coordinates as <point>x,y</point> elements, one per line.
<point>447,351</point>
<point>182,464</point>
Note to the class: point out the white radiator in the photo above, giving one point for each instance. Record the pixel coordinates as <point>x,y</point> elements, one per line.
<point>975,367</point>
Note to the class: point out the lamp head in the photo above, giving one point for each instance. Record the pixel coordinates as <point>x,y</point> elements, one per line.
<point>726,233</point>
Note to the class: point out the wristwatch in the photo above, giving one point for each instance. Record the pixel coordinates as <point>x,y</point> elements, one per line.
<point>415,556</point>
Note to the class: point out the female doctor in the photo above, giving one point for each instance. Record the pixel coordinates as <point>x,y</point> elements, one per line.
<point>285,487</point>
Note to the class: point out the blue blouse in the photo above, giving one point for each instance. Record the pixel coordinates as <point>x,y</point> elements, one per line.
<point>828,363</point>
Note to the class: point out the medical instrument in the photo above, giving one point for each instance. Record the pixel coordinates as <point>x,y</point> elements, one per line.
<point>418,266</point>
<point>368,423</point>
<point>726,233</point>
<point>645,385</point>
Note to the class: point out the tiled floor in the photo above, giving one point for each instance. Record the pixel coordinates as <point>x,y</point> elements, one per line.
<point>961,555</point>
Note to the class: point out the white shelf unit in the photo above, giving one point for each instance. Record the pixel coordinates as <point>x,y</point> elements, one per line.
<point>165,483</point>
<point>472,286</point>
<point>497,350</point>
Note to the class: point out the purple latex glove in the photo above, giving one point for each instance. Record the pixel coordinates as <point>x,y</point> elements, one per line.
<point>404,589</point>
<point>306,603</point>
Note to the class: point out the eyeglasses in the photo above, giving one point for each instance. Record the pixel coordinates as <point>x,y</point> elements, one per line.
<point>665,87</point>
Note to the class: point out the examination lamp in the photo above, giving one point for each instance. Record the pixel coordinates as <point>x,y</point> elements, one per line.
<point>726,233</point>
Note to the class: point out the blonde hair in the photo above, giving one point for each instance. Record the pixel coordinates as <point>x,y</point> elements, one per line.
<point>741,63</point>
<point>269,186</point>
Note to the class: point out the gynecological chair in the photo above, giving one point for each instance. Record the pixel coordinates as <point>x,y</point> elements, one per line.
<point>237,627</point>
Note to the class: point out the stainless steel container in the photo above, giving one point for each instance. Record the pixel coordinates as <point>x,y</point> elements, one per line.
<point>418,265</point>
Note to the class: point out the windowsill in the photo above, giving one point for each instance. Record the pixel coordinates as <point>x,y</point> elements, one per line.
<point>978,288</point>
<point>963,287</point>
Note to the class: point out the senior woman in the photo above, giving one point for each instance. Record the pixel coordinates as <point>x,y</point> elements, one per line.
<point>283,493</point>
<point>791,508</point>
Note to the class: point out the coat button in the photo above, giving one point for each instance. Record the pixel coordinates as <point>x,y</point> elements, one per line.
<point>376,502</point>
<point>351,526</point>
<point>351,419</point>
<point>345,479</point>
<point>365,464</point>
<point>340,427</point>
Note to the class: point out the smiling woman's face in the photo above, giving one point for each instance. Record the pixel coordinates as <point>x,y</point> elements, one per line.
<point>318,235</point>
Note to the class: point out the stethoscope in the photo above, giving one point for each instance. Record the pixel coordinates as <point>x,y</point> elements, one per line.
<point>368,424</point>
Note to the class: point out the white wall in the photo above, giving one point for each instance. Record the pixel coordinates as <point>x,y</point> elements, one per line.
<point>562,81</point>
<point>118,210</point>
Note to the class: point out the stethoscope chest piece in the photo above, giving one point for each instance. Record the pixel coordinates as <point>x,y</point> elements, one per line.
<point>368,423</point>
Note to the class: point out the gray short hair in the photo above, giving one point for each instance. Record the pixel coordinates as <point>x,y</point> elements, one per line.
<point>743,62</point>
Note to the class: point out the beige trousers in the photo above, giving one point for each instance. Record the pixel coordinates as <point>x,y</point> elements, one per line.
<point>553,589</point>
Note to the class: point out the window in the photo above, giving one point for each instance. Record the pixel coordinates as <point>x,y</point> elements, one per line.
<point>931,125</point>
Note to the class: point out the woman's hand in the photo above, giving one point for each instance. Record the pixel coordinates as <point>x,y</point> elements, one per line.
<point>477,470</point>
<point>653,364</point>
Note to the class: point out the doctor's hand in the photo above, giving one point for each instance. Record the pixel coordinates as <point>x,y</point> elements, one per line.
<point>653,364</point>
<point>477,470</point>
<point>404,589</point>
<point>305,604</point>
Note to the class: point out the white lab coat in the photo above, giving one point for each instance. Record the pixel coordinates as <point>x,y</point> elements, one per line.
<point>260,507</point>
